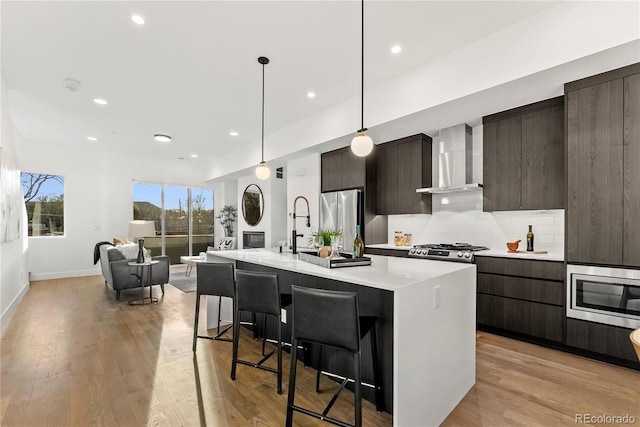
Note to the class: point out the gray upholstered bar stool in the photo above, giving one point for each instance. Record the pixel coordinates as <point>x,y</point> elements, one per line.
<point>259,292</point>
<point>331,318</point>
<point>217,280</point>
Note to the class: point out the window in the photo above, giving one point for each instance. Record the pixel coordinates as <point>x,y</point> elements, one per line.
<point>183,215</point>
<point>44,198</point>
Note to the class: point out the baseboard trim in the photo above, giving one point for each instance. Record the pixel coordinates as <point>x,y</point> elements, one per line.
<point>65,274</point>
<point>6,316</point>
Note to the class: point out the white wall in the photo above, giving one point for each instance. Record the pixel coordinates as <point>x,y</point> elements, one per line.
<point>458,217</point>
<point>303,179</point>
<point>550,40</point>
<point>274,217</point>
<point>226,193</point>
<point>14,282</point>
<point>98,192</point>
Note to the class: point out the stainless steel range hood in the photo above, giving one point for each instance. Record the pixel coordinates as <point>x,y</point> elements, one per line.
<point>455,161</point>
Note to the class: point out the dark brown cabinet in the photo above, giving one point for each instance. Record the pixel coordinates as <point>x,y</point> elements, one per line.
<point>341,170</point>
<point>603,168</point>
<point>523,158</point>
<point>403,166</point>
<point>521,296</point>
<point>603,339</point>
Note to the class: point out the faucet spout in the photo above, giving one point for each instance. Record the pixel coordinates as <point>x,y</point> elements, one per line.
<point>294,235</point>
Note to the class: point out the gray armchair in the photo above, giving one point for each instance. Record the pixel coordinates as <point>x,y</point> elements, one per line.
<point>120,275</point>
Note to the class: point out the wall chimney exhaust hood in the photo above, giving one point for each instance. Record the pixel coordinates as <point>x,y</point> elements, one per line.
<point>455,161</point>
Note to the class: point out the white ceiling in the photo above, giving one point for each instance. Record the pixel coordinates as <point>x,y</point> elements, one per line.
<point>191,71</point>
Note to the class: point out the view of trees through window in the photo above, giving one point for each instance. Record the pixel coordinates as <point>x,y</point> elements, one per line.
<point>44,199</point>
<point>183,216</point>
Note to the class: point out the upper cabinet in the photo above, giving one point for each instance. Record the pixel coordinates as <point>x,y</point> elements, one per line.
<point>523,158</point>
<point>603,168</point>
<point>403,166</point>
<point>341,170</point>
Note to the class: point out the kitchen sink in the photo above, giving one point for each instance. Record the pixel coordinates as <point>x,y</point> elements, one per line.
<point>343,260</point>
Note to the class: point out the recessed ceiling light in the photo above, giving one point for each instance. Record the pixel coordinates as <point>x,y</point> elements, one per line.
<point>233,133</point>
<point>396,49</point>
<point>311,94</point>
<point>195,156</point>
<point>137,19</point>
<point>92,138</point>
<point>100,101</point>
<point>162,138</point>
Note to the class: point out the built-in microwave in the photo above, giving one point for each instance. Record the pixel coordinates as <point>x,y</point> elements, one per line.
<point>604,295</point>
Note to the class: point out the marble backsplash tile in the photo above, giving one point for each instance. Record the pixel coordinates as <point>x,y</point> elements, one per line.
<point>458,217</point>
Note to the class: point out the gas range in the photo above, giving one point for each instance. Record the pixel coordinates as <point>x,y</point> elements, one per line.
<point>458,252</point>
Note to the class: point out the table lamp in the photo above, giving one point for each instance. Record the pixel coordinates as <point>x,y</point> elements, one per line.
<point>141,229</point>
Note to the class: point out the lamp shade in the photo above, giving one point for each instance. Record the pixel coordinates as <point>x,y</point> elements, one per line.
<point>262,171</point>
<point>361,145</point>
<point>140,228</point>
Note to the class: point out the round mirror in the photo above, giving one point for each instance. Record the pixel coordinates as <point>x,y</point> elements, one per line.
<point>252,204</point>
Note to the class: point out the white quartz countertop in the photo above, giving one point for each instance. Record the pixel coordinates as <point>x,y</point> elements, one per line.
<point>551,256</point>
<point>388,273</point>
<point>388,246</point>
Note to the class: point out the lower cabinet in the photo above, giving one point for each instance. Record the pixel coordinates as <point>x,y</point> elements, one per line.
<point>603,339</point>
<point>522,296</point>
<point>524,317</point>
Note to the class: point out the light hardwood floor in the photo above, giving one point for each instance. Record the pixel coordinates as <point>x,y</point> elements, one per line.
<point>72,356</point>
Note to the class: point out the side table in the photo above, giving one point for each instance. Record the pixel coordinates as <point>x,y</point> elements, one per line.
<point>140,266</point>
<point>191,261</point>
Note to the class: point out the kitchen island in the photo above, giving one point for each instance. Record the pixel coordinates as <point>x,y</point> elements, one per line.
<point>426,328</point>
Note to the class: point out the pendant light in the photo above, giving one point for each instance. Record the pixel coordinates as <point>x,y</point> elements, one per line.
<point>362,144</point>
<point>262,171</point>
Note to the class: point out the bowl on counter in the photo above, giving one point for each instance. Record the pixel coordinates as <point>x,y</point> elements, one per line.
<point>513,246</point>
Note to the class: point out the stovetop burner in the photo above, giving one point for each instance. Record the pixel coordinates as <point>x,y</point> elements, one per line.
<point>459,252</point>
<point>452,247</point>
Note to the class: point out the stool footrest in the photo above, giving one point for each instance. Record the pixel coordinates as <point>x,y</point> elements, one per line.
<point>258,365</point>
<point>321,416</point>
<point>340,377</point>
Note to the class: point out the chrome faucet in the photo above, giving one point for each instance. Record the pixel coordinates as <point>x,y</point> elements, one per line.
<point>294,234</point>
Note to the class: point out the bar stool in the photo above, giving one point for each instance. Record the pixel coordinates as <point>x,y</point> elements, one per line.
<point>214,279</point>
<point>259,292</point>
<point>331,318</point>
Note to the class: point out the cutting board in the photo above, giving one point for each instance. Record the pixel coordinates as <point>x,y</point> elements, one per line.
<point>528,252</point>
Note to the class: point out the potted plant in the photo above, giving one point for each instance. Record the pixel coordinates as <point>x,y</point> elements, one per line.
<point>227,217</point>
<point>327,241</point>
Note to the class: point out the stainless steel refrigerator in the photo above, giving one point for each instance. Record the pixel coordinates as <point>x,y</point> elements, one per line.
<point>342,210</point>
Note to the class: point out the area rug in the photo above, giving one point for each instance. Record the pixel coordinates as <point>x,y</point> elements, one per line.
<point>182,282</point>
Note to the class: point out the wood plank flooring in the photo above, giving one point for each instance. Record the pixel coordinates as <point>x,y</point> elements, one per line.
<point>72,356</point>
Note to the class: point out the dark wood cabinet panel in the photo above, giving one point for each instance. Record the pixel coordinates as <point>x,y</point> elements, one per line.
<point>546,270</point>
<point>331,170</point>
<point>341,169</point>
<point>594,174</point>
<point>603,339</point>
<point>403,166</point>
<point>523,296</point>
<point>631,191</point>
<point>543,183</point>
<point>490,311</point>
<point>523,163</point>
<point>534,290</point>
<point>387,179</point>
<point>411,158</point>
<point>502,153</point>
<point>524,317</point>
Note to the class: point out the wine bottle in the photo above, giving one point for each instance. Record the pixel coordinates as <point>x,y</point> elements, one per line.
<point>358,244</point>
<point>530,240</point>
